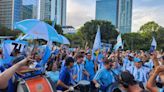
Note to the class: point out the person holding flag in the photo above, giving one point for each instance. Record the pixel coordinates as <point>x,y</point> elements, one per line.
<point>153,47</point>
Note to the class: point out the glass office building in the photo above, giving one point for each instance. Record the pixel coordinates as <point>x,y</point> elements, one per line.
<point>50,9</point>
<point>107,10</point>
<point>118,12</point>
<point>10,12</point>
<point>27,12</point>
<point>125,16</point>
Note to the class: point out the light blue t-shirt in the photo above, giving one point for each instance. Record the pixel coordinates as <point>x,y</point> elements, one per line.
<point>161,90</point>
<point>127,63</point>
<point>78,70</point>
<point>89,67</point>
<point>54,76</point>
<point>104,77</point>
<point>140,74</point>
<point>149,64</point>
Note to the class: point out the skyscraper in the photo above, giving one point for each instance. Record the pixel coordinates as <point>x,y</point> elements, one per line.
<point>27,12</point>
<point>107,10</point>
<point>119,12</point>
<point>10,12</point>
<point>125,16</point>
<point>50,9</point>
<point>30,9</point>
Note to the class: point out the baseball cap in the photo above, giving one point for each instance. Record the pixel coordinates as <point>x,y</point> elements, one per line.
<point>131,55</point>
<point>137,60</point>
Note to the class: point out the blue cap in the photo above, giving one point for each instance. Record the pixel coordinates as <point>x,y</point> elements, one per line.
<point>137,60</point>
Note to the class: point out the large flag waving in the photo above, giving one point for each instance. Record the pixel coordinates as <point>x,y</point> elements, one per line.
<point>97,42</point>
<point>153,45</point>
<point>119,42</point>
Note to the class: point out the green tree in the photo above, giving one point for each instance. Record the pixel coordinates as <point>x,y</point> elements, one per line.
<point>57,27</point>
<point>143,39</point>
<point>160,38</point>
<point>149,27</point>
<point>88,31</point>
<point>75,39</point>
<point>7,32</point>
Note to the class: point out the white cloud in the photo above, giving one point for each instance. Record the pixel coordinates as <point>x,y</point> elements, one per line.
<point>80,11</point>
<point>143,15</point>
<point>78,14</point>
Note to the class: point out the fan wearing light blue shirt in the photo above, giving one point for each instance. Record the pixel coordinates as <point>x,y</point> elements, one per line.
<point>128,62</point>
<point>139,72</point>
<point>78,70</point>
<point>103,77</point>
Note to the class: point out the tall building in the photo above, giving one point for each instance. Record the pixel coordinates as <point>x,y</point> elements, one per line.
<point>10,12</point>
<point>30,9</point>
<point>50,9</point>
<point>107,10</point>
<point>45,9</point>
<point>118,12</point>
<point>27,12</point>
<point>125,16</point>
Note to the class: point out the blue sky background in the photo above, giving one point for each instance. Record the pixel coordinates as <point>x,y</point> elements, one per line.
<point>80,11</point>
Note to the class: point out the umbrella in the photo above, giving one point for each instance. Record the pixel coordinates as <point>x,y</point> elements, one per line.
<point>65,40</point>
<point>38,29</point>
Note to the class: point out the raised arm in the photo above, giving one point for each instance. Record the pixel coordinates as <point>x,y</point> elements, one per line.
<point>8,73</point>
<point>151,84</point>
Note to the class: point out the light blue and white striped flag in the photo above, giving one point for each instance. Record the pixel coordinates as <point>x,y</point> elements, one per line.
<point>119,42</point>
<point>97,42</point>
<point>153,45</point>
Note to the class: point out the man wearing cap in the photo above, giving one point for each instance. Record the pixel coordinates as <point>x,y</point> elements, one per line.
<point>128,62</point>
<point>139,72</point>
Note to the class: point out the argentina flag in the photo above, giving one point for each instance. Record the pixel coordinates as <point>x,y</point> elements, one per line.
<point>119,43</point>
<point>153,45</point>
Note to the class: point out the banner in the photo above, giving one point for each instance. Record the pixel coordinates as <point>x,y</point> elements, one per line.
<point>10,46</point>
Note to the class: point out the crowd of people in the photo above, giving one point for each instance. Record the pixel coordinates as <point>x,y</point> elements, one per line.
<point>104,70</point>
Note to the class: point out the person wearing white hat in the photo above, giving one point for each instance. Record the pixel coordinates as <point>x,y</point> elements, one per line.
<point>139,72</point>
<point>128,62</point>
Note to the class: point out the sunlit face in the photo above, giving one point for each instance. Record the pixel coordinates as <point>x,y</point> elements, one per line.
<point>80,60</point>
<point>37,58</point>
<point>109,65</point>
<point>89,56</point>
<point>138,64</point>
<point>114,65</point>
<point>54,67</point>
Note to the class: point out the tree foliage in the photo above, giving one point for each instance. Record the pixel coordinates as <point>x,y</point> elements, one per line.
<point>7,32</point>
<point>143,39</point>
<point>89,30</point>
<point>149,27</point>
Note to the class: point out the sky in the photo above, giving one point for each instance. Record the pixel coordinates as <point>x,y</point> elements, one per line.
<point>81,11</point>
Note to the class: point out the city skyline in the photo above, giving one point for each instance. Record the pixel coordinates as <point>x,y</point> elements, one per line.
<point>10,12</point>
<point>143,12</point>
<point>79,12</point>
